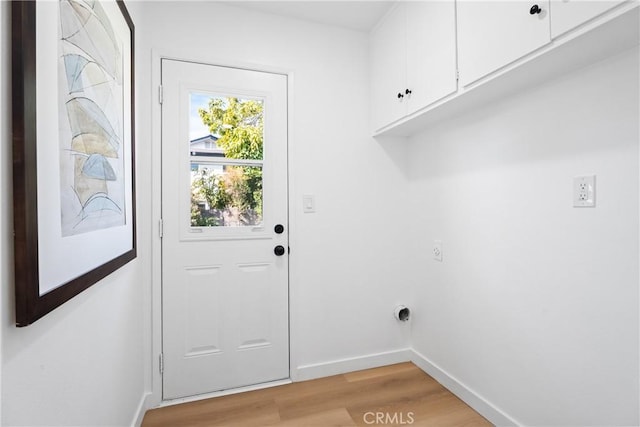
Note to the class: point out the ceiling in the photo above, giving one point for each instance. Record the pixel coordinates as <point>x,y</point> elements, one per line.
<point>356,15</point>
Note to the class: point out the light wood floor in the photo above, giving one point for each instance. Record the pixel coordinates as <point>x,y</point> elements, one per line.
<point>402,391</point>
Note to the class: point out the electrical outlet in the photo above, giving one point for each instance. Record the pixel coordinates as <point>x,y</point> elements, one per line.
<point>584,191</point>
<point>437,250</point>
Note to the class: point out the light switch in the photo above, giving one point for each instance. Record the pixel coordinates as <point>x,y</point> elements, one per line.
<point>308,203</point>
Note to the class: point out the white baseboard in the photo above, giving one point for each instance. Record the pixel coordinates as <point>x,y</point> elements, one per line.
<point>341,366</point>
<point>470,397</point>
<point>143,405</point>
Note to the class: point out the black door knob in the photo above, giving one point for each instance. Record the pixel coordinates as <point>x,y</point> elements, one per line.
<point>279,228</point>
<point>279,250</point>
<point>407,92</point>
<point>535,9</point>
<point>400,96</point>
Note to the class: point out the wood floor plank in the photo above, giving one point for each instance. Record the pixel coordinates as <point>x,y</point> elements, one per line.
<point>379,372</point>
<point>334,417</point>
<point>373,392</point>
<point>259,413</point>
<point>307,388</point>
<point>341,400</point>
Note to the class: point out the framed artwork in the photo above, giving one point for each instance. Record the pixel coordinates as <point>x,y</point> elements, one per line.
<point>73,148</point>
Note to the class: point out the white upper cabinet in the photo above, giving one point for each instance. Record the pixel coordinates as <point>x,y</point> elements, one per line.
<point>389,65</point>
<point>431,52</point>
<point>494,46</point>
<point>413,59</point>
<point>568,14</point>
<point>492,34</point>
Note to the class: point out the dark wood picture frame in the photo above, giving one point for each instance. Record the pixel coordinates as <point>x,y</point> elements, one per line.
<point>31,303</point>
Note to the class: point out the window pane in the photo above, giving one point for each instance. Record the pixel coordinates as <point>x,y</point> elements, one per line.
<point>224,195</point>
<point>226,126</point>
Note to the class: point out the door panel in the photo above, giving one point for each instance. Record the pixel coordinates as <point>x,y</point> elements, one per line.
<point>225,291</point>
<point>492,34</point>
<point>568,14</point>
<point>389,65</point>
<point>202,307</point>
<point>431,52</point>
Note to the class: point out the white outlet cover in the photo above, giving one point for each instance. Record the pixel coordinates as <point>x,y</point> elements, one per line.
<point>437,250</point>
<point>584,191</point>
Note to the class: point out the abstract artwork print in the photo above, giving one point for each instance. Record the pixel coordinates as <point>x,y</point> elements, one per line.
<point>90,81</point>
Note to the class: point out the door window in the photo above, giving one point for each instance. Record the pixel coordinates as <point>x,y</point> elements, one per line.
<point>226,156</point>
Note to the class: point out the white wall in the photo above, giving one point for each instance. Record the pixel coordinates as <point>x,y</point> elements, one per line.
<point>345,258</point>
<point>82,364</point>
<point>535,306</point>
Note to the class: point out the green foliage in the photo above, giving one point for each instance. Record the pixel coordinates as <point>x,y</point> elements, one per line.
<point>212,188</point>
<point>199,219</point>
<point>244,187</point>
<point>239,124</point>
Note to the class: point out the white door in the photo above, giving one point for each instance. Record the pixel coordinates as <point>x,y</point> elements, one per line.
<point>225,245</point>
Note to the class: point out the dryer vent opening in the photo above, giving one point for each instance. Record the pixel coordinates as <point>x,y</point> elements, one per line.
<point>402,313</point>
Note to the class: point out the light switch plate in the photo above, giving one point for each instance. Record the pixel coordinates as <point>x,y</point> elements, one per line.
<point>308,203</point>
<point>584,191</point>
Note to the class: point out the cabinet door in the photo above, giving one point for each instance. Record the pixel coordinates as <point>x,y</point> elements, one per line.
<point>568,14</point>
<point>431,52</point>
<point>492,34</point>
<point>388,68</point>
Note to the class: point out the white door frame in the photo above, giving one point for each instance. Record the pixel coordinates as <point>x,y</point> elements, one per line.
<point>153,301</point>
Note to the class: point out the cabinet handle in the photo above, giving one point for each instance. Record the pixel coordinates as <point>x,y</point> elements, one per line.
<point>535,9</point>
<point>400,95</point>
<point>407,92</point>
